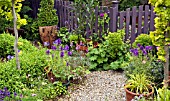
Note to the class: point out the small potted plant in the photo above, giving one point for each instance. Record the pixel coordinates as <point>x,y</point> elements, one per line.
<point>137,85</point>
<point>47,21</point>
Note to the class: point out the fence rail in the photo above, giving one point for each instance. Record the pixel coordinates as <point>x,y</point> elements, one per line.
<point>134,21</point>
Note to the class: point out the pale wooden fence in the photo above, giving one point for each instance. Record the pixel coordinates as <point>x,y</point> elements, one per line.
<point>134,21</point>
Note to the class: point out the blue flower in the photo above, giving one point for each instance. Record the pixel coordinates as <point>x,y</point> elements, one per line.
<point>138,44</point>
<point>57,42</point>
<point>148,48</point>
<point>15,94</point>
<point>144,52</point>
<point>53,47</point>
<point>141,47</point>
<point>9,57</point>
<point>134,51</point>
<point>48,52</point>
<point>66,47</point>
<point>69,53</point>
<point>62,54</point>
<point>46,43</point>
<point>67,64</point>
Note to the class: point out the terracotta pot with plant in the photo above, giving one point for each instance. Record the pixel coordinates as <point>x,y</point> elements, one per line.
<point>137,85</point>
<point>47,21</point>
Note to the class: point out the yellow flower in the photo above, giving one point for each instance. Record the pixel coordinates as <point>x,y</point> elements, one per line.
<point>20,43</point>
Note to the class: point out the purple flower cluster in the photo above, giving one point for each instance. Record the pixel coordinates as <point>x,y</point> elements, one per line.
<point>5,93</point>
<point>142,48</point>
<point>57,42</point>
<point>9,57</point>
<point>60,48</point>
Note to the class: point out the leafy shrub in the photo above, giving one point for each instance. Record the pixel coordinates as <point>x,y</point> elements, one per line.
<point>143,39</point>
<point>111,54</point>
<point>30,79</point>
<point>7,45</point>
<point>47,14</point>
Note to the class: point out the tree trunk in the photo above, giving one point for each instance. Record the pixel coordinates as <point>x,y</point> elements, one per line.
<point>166,64</point>
<point>16,35</point>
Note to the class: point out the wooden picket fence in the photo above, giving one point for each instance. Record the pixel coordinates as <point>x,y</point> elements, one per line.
<point>134,21</point>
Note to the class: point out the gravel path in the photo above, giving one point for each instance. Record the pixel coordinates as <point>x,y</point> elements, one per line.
<point>99,86</point>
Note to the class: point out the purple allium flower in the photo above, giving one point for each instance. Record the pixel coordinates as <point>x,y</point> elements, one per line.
<point>66,47</point>
<point>62,54</point>
<point>139,45</point>
<point>48,52</point>
<point>67,64</point>
<point>5,89</point>
<point>46,43</point>
<point>15,94</point>
<point>61,48</point>
<point>148,47</point>
<point>53,47</point>
<point>7,94</point>
<point>135,52</point>
<point>21,96</point>
<point>57,42</point>
<point>101,14</point>
<point>69,53</point>
<point>144,52</point>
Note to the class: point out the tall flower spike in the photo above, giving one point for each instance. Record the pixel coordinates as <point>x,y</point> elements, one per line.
<point>48,52</point>
<point>69,53</point>
<point>66,47</point>
<point>53,47</point>
<point>148,48</point>
<point>62,54</point>
<point>57,42</point>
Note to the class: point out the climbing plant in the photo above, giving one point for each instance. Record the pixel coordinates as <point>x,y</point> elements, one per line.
<point>161,36</point>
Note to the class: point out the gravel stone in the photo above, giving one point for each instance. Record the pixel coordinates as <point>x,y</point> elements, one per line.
<point>98,86</point>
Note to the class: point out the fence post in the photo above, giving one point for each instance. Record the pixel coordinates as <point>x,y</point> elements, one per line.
<point>115,4</point>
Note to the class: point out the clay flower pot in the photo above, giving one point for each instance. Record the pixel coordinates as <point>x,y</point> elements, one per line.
<point>130,95</point>
<point>48,34</point>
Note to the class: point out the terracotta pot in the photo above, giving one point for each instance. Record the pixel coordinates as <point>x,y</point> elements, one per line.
<point>130,95</point>
<point>48,34</point>
<point>95,44</point>
<point>88,40</point>
<point>51,77</point>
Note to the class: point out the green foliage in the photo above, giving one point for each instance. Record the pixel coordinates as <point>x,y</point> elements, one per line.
<point>46,17</point>
<point>6,12</point>
<point>47,14</point>
<point>111,54</point>
<point>124,4</point>
<point>163,94</point>
<point>162,9</point>
<point>143,39</point>
<point>64,35</point>
<point>138,83</point>
<point>7,45</point>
